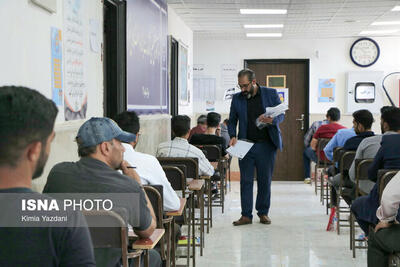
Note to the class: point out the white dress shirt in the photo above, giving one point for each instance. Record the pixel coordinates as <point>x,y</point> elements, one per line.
<point>151,173</point>
<point>390,200</point>
<point>180,147</point>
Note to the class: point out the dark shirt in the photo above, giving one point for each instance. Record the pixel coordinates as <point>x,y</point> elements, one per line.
<point>209,139</point>
<point>387,157</point>
<point>254,110</point>
<point>353,142</point>
<point>89,175</point>
<point>45,246</point>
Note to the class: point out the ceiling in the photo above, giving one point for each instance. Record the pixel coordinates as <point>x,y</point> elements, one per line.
<point>221,19</point>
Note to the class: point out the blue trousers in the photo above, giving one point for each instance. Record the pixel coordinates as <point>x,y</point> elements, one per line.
<point>308,156</point>
<point>262,158</point>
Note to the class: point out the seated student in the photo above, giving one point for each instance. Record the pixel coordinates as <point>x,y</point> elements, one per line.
<point>307,140</point>
<point>224,132</point>
<point>388,157</point>
<point>147,166</point>
<point>362,122</point>
<point>367,150</point>
<point>324,131</point>
<point>201,126</point>
<point>180,147</point>
<point>210,137</point>
<point>385,239</point>
<point>101,152</point>
<point>26,132</point>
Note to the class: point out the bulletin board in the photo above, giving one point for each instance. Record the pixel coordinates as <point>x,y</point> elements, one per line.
<point>147,51</point>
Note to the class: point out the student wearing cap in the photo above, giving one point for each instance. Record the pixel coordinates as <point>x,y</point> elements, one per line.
<point>101,152</point>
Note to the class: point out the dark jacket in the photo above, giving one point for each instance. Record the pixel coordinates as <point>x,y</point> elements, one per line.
<point>269,98</point>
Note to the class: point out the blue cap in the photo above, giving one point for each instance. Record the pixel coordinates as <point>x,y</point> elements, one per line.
<point>98,130</point>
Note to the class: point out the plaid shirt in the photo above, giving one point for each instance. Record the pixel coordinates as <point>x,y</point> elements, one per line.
<point>180,147</point>
<point>311,131</point>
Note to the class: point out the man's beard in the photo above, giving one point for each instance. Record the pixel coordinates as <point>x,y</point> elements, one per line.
<point>248,94</point>
<point>40,164</point>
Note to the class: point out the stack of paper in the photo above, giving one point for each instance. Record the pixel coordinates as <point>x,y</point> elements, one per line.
<point>240,149</point>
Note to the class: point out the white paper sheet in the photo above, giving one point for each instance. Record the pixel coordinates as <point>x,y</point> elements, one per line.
<point>240,149</point>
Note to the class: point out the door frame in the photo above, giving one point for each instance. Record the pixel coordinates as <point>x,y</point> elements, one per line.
<point>306,78</point>
<point>114,63</point>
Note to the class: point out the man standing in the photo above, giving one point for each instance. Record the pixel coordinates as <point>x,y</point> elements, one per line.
<point>246,107</point>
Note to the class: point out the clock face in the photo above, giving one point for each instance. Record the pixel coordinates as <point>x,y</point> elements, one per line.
<point>364,52</point>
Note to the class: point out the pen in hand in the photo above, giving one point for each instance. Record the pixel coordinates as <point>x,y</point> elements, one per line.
<point>131,167</point>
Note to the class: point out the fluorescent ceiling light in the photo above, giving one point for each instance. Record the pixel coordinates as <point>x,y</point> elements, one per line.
<point>382,23</point>
<point>263,11</point>
<point>378,32</point>
<point>396,8</point>
<point>262,26</point>
<point>264,34</point>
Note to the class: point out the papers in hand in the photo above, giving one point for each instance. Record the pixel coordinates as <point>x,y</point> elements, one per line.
<point>240,149</point>
<point>272,112</point>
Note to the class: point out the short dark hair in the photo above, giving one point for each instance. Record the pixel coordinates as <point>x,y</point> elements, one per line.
<point>202,119</point>
<point>128,121</point>
<point>84,151</point>
<point>386,108</point>
<point>247,72</point>
<point>213,119</point>
<point>180,125</point>
<point>26,116</point>
<point>392,118</point>
<point>364,117</point>
<point>333,114</point>
<point>226,121</point>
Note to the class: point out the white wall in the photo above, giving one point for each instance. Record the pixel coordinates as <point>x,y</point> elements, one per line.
<point>333,61</point>
<point>25,55</point>
<point>183,34</point>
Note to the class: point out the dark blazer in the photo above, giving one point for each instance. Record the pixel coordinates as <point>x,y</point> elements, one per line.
<point>269,98</point>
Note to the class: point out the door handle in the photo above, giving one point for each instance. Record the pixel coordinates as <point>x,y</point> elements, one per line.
<point>302,121</point>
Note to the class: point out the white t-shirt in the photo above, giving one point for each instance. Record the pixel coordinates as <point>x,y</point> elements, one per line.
<point>151,173</point>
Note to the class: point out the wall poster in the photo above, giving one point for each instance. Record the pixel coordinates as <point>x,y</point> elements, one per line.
<point>326,90</point>
<point>56,66</point>
<point>75,95</point>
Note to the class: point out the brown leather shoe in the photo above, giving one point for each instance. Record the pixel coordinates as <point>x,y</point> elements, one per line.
<point>242,221</point>
<point>264,219</point>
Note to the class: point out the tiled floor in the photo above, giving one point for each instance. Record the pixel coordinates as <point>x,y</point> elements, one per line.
<point>296,237</point>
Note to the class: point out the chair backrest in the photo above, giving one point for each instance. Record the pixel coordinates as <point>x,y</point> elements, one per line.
<point>176,177</point>
<point>192,165</point>
<point>322,142</point>
<point>337,152</point>
<point>384,177</point>
<point>106,237</point>
<point>212,152</point>
<point>361,172</point>
<point>154,193</point>
<point>346,160</point>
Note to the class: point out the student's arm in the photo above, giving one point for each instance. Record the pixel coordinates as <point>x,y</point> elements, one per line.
<point>376,165</point>
<point>171,199</point>
<point>313,144</point>
<point>145,229</point>
<point>332,144</point>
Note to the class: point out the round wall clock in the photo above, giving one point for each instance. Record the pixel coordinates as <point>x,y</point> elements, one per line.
<point>364,52</point>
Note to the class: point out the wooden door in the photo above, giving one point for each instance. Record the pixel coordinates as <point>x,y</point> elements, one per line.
<point>289,162</point>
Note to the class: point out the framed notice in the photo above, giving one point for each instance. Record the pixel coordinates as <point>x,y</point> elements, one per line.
<point>276,81</point>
